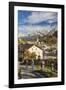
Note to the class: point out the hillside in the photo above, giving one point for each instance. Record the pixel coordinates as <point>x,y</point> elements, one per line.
<point>50,38</point>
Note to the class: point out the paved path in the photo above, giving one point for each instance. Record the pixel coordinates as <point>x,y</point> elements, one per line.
<point>28,73</point>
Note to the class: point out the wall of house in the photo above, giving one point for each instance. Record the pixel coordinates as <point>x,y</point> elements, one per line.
<point>37,51</point>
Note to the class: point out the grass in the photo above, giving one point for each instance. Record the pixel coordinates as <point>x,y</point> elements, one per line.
<point>47,72</point>
<point>37,67</point>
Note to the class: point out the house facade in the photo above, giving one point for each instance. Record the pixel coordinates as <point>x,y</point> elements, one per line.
<point>38,51</point>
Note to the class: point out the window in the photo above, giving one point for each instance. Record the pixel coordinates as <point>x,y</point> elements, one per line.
<point>32,49</point>
<point>36,48</point>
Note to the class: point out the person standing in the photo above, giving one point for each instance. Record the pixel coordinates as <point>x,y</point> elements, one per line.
<point>32,65</point>
<point>42,64</point>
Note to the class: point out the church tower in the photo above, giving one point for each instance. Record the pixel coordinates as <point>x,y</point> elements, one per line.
<point>37,41</point>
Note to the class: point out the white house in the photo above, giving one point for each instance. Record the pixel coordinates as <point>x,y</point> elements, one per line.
<point>38,51</point>
<point>33,48</point>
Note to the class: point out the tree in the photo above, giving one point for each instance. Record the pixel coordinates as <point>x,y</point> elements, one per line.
<point>28,55</point>
<point>22,41</point>
<point>33,55</point>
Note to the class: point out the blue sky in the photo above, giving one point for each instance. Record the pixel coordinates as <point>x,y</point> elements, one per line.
<point>31,22</point>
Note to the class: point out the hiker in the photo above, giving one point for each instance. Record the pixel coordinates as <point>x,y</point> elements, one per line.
<point>32,65</point>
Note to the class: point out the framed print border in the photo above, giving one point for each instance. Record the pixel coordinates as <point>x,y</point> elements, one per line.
<point>11,44</point>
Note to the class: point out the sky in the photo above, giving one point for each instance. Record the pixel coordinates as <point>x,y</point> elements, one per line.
<point>32,22</point>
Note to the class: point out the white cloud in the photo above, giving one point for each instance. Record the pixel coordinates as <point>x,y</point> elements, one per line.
<point>37,17</point>
<point>33,29</point>
<point>52,21</point>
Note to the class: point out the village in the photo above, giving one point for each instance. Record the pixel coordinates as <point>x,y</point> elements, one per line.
<point>36,59</point>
